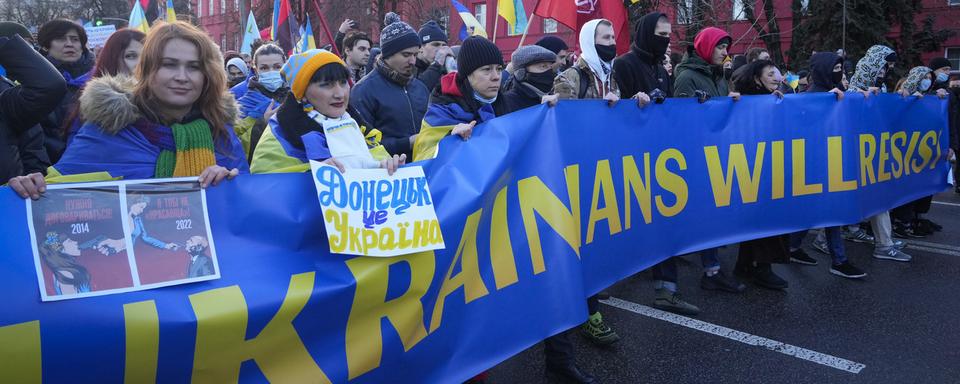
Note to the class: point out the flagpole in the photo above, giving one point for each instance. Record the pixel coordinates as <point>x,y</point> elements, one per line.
<point>527,28</point>
<point>496,19</point>
<point>326,30</point>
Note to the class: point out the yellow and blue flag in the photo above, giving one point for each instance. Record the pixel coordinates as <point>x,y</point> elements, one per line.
<point>171,13</point>
<point>138,20</point>
<point>307,42</point>
<point>512,11</point>
<point>468,21</point>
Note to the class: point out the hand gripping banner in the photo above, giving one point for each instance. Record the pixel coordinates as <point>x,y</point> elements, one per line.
<point>539,210</point>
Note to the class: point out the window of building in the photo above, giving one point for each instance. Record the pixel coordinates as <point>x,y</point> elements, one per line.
<point>236,6</point>
<point>480,12</point>
<point>549,26</point>
<point>223,6</point>
<point>199,8</point>
<point>223,42</point>
<point>953,54</point>
<point>210,8</point>
<point>953,2</point>
<point>445,23</point>
<point>804,5</point>
<point>739,10</point>
<point>684,11</point>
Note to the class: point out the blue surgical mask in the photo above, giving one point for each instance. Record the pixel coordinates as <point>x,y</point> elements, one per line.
<point>483,99</point>
<point>270,80</point>
<point>925,84</point>
<point>942,77</point>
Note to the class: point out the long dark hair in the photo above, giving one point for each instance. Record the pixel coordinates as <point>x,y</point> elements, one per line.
<point>108,61</point>
<point>51,252</point>
<point>108,64</point>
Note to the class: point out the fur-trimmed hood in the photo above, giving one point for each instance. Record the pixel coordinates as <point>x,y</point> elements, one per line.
<point>108,102</point>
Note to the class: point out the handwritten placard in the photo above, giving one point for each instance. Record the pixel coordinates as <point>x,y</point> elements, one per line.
<point>97,36</point>
<point>369,213</point>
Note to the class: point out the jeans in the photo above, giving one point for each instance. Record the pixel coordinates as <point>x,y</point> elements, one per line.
<point>665,275</point>
<point>834,238</point>
<point>710,258</point>
<point>558,350</point>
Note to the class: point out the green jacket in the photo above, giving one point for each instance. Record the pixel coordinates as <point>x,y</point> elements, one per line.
<point>694,74</point>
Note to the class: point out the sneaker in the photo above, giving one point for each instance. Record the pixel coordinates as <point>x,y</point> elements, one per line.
<point>907,231</point>
<point>765,277</point>
<point>800,256</point>
<point>597,331</point>
<point>847,270</point>
<point>671,302</point>
<point>721,282</point>
<point>891,253</point>
<point>821,246</point>
<point>858,236</point>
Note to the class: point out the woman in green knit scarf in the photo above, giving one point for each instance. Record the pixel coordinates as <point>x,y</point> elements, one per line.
<point>174,120</point>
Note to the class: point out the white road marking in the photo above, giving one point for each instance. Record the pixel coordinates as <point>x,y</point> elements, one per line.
<point>946,203</point>
<point>934,250</point>
<point>933,245</point>
<point>743,337</point>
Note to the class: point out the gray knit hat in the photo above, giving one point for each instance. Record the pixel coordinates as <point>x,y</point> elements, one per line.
<point>530,54</point>
<point>396,36</point>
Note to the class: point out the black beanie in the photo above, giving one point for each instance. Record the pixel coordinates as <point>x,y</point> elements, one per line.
<point>476,52</point>
<point>553,43</point>
<point>939,62</point>
<point>431,32</point>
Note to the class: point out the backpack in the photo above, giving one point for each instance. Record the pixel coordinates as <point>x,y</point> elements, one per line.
<point>584,82</point>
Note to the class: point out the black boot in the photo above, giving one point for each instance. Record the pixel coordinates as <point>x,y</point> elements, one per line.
<point>569,373</point>
<point>763,276</point>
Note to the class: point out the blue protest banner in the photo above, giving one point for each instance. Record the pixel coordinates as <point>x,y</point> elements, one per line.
<point>539,210</point>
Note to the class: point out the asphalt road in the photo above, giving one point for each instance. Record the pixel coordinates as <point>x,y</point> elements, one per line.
<point>900,324</point>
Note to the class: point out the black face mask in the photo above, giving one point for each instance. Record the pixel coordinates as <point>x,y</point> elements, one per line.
<point>837,78</point>
<point>658,46</point>
<point>606,52</point>
<point>542,81</point>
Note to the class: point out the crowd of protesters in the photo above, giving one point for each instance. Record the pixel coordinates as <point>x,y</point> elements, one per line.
<point>169,104</point>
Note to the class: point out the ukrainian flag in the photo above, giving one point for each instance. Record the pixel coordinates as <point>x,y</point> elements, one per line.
<point>171,13</point>
<point>468,21</point>
<point>307,42</point>
<point>512,11</point>
<point>138,20</point>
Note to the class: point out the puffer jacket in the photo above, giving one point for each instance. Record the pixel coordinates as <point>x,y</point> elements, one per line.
<point>118,139</point>
<point>695,74</point>
<point>23,106</point>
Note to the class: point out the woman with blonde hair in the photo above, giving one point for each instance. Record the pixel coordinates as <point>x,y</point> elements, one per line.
<point>174,120</point>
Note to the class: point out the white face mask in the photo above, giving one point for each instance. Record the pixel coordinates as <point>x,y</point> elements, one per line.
<point>270,80</point>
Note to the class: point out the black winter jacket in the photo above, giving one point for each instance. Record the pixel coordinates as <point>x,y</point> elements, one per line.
<point>23,106</point>
<point>640,70</point>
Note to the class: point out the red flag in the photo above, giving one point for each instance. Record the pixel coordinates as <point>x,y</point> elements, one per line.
<point>284,30</point>
<point>575,13</point>
<point>563,11</point>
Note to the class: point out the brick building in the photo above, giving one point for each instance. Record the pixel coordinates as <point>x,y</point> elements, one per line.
<point>222,20</point>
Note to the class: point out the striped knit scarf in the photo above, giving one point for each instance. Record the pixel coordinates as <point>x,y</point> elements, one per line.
<point>193,154</point>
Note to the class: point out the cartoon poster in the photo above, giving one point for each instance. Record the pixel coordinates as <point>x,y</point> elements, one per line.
<point>78,241</point>
<point>169,232</point>
<point>101,238</point>
<point>369,213</point>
